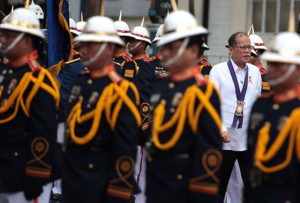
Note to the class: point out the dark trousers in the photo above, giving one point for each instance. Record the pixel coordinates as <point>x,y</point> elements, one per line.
<point>229,157</point>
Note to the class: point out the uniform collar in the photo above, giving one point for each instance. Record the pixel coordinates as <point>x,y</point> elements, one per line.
<point>140,56</point>
<point>185,74</point>
<point>159,56</point>
<point>201,58</point>
<point>122,53</point>
<point>101,72</point>
<point>287,95</point>
<point>24,60</point>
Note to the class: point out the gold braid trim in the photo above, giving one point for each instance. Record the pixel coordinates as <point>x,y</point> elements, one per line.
<point>17,97</point>
<point>137,68</point>
<point>111,94</point>
<point>290,129</point>
<point>184,109</point>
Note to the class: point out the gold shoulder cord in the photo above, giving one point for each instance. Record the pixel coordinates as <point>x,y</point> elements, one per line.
<point>122,64</point>
<point>186,108</point>
<point>111,94</point>
<point>137,68</point>
<point>17,97</point>
<point>291,129</point>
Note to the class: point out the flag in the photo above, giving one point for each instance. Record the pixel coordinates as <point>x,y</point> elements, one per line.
<point>59,36</point>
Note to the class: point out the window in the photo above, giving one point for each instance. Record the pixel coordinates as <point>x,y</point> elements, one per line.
<point>272,16</point>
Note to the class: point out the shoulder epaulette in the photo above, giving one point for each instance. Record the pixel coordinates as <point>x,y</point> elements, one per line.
<point>205,63</point>
<point>200,80</point>
<point>127,58</point>
<point>265,95</point>
<point>149,59</point>
<point>34,65</point>
<point>263,71</point>
<point>72,61</point>
<point>116,63</point>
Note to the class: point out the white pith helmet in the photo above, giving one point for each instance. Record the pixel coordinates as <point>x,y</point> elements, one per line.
<point>37,10</point>
<point>79,26</point>
<point>258,43</point>
<point>23,20</point>
<point>99,29</point>
<point>141,33</point>
<point>72,25</point>
<point>159,33</point>
<point>180,24</point>
<point>284,48</point>
<point>122,28</point>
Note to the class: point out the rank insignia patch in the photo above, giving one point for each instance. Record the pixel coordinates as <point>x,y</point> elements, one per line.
<point>129,73</point>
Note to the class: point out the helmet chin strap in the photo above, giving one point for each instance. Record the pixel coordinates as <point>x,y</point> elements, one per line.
<point>13,44</point>
<point>282,79</point>
<point>95,57</point>
<point>132,48</point>
<point>178,54</point>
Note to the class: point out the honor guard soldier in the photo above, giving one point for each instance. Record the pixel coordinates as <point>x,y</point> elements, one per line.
<point>159,70</point>
<point>184,151</point>
<point>29,96</point>
<point>274,134</point>
<point>102,124</point>
<point>121,57</point>
<point>259,49</point>
<point>205,67</point>
<point>121,54</point>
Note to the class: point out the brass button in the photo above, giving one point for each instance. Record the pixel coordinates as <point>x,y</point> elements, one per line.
<point>88,106</point>
<point>171,85</point>
<point>16,154</point>
<point>275,106</point>
<point>172,110</point>
<point>91,166</point>
<point>179,177</point>
<point>90,81</point>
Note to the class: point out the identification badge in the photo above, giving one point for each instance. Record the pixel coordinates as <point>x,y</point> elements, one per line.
<point>239,108</point>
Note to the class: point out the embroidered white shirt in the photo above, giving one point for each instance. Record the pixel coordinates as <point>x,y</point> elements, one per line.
<point>220,75</point>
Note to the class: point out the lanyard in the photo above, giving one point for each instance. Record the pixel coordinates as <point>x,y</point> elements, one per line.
<point>240,96</point>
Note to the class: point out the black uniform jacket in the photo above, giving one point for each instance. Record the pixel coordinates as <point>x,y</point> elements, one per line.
<point>100,156</point>
<point>185,145</point>
<point>28,125</point>
<point>274,149</point>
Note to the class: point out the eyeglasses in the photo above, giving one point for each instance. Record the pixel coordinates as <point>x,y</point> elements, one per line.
<point>244,47</point>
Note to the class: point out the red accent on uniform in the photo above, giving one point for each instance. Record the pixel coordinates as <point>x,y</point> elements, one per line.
<point>26,59</point>
<point>139,35</point>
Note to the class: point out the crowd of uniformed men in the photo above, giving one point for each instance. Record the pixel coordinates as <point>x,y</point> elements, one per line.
<point>116,126</point>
